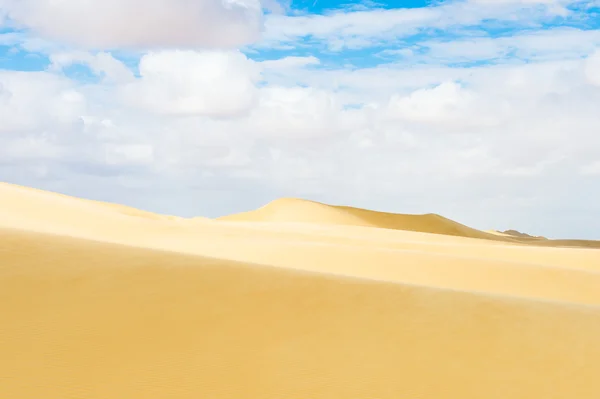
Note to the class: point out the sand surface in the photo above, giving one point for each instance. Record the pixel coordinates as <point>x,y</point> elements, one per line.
<point>294,300</point>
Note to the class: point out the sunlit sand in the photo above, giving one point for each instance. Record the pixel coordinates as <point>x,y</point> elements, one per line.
<point>294,300</point>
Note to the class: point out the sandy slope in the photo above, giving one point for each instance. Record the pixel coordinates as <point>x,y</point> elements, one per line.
<point>101,301</point>
<point>91,320</point>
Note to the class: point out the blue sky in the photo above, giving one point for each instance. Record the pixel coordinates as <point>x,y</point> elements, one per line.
<point>479,110</point>
<point>325,6</point>
<point>582,16</point>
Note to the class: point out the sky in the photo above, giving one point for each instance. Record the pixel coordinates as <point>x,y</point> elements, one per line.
<point>484,111</point>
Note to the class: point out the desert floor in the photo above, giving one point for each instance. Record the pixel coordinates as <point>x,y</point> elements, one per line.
<point>294,300</point>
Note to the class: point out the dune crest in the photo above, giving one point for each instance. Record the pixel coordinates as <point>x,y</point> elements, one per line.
<point>44,211</point>
<point>304,211</point>
<point>292,210</point>
<point>298,210</point>
<point>28,199</point>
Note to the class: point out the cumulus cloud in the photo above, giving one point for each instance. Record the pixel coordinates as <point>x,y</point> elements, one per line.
<point>295,112</point>
<point>107,24</point>
<point>448,105</point>
<point>211,83</point>
<point>472,126</point>
<point>35,101</point>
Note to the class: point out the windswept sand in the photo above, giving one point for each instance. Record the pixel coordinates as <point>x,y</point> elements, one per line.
<point>303,300</point>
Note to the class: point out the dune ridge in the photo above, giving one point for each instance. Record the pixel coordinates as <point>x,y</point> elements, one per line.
<point>297,210</point>
<point>296,299</point>
<point>304,211</point>
<point>36,209</point>
<point>26,196</point>
<point>443,261</point>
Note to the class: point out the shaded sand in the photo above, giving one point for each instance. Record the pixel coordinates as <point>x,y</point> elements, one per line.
<point>90,320</point>
<point>515,233</point>
<point>102,301</point>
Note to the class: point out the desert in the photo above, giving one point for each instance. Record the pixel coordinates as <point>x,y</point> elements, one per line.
<point>299,199</point>
<point>296,299</point>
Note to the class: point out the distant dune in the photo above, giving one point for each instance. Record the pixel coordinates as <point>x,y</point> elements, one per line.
<point>515,233</point>
<point>302,211</point>
<point>296,299</point>
<point>296,210</point>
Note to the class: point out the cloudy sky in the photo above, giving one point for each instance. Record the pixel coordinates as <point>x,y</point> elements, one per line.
<point>484,111</point>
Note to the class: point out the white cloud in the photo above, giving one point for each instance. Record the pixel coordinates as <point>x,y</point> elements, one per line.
<point>556,7</point>
<point>102,64</point>
<point>36,147</point>
<point>592,68</point>
<point>447,105</point>
<point>471,127</point>
<point>545,45</point>
<point>295,113</point>
<point>591,169</point>
<point>290,62</point>
<point>359,29</point>
<point>36,101</point>
<point>215,83</point>
<point>107,24</point>
<point>129,154</point>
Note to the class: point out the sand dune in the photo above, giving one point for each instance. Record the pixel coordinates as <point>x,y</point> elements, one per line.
<point>296,210</point>
<point>378,254</point>
<point>92,320</point>
<point>296,299</point>
<point>515,233</point>
<point>43,211</point>
<point>40,210</point>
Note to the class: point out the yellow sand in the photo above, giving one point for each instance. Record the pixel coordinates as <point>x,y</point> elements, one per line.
<point>101,301</point>
<point>296,210</point>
